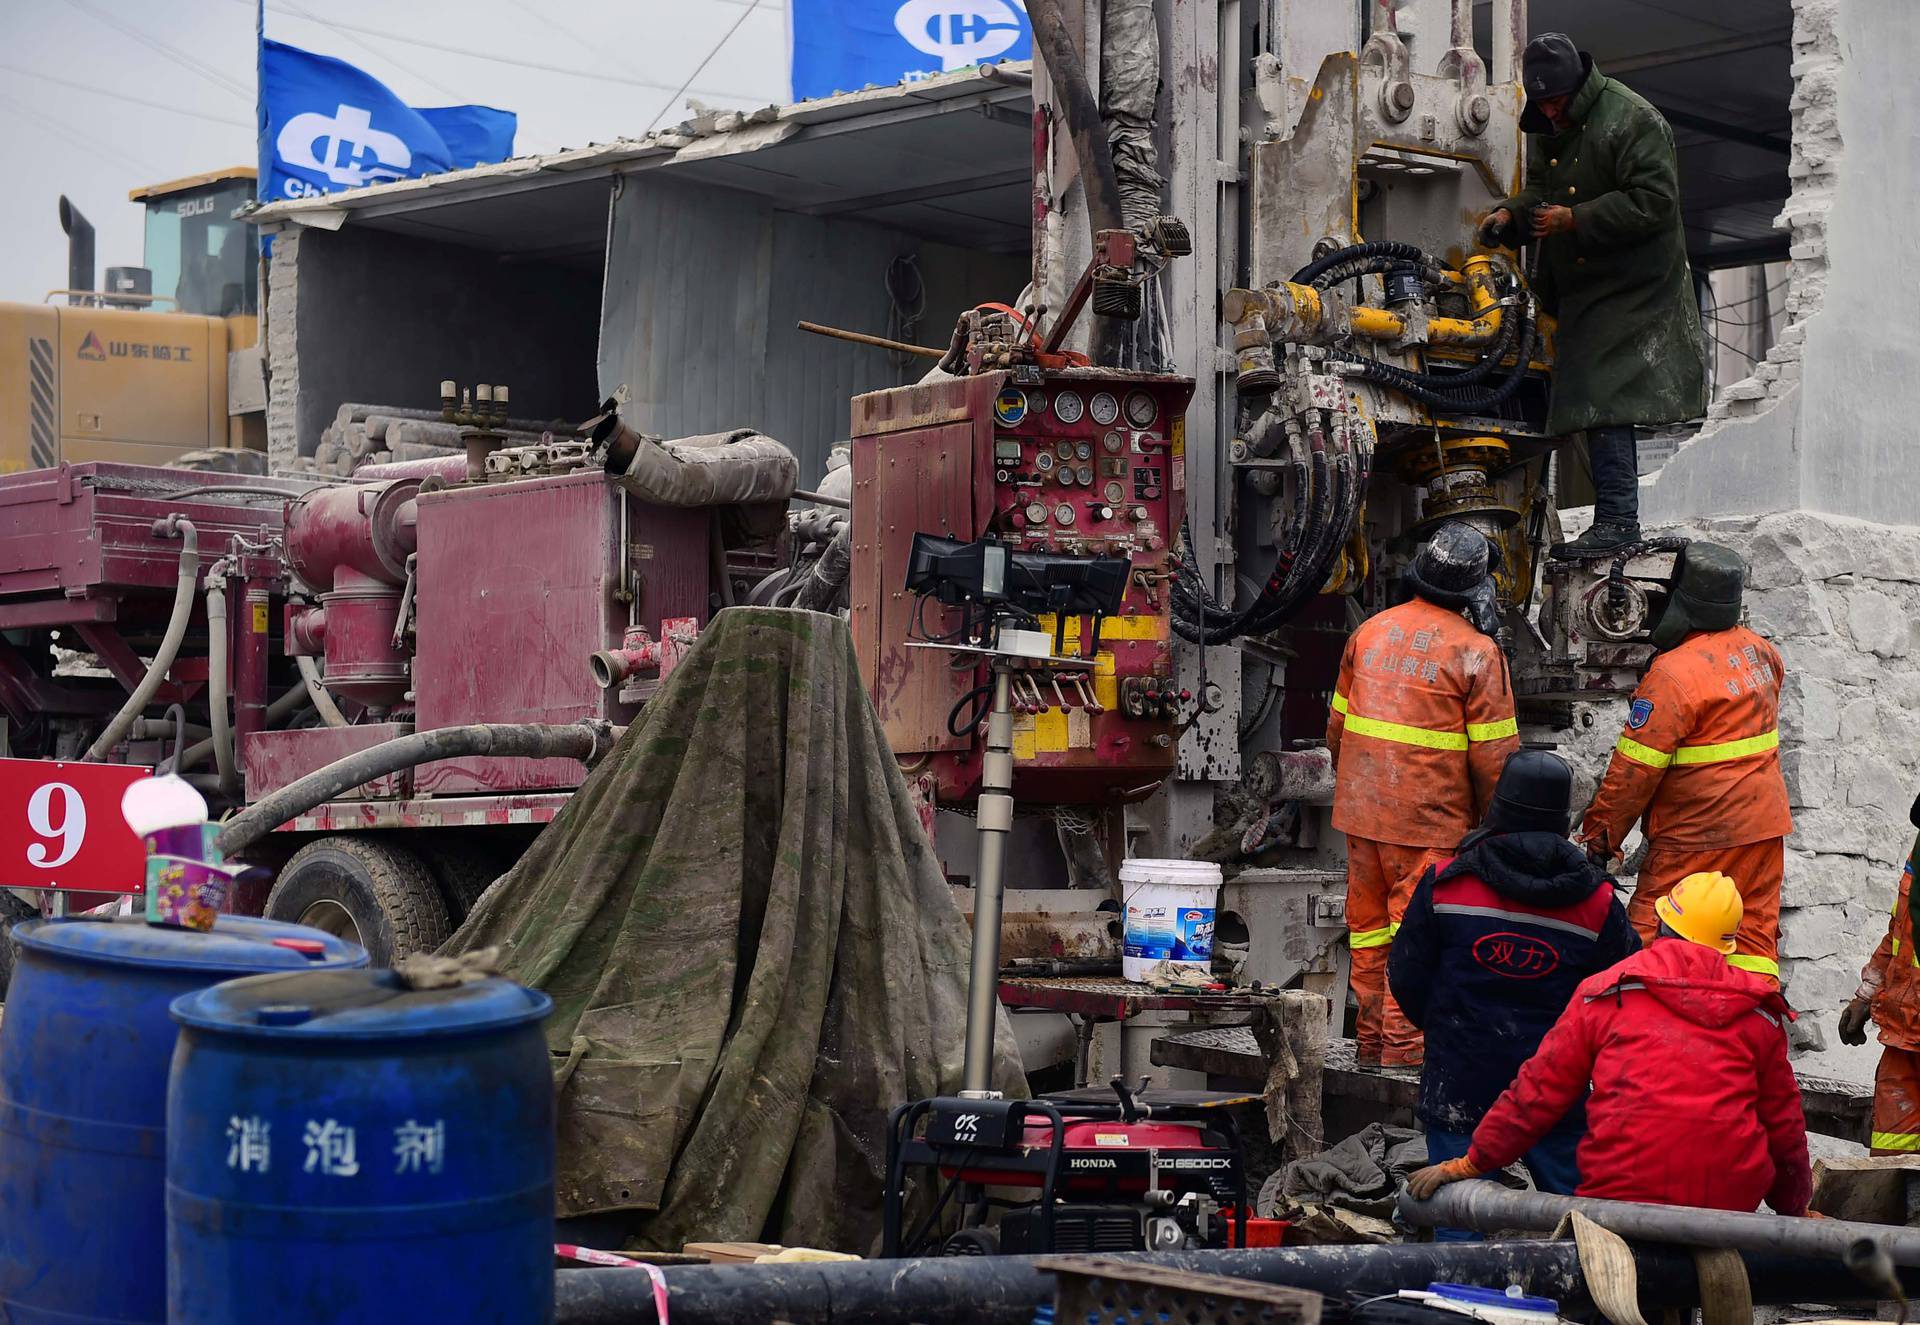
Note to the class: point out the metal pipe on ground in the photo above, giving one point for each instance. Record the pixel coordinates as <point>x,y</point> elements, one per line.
<point>1005,1290</point>
<point>523,740</point>
<point>1490,1207</point>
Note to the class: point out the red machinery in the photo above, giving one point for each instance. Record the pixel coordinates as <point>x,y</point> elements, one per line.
<point>542,596</point>
<point>1073,460</point>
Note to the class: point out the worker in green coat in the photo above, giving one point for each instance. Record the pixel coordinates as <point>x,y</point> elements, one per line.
<point>1602,201</point>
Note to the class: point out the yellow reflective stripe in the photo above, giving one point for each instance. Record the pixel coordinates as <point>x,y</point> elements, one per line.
<point>1405,735</point>
<point>1493,731</point>
<point>1714,754</point>
<point>1643,754</point>
<point>1372,938</point>
<point>1895,1141</point>
<point>1746,961</point>
<point>1339,703</point>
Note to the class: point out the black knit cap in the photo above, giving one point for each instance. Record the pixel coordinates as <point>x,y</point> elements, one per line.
<point>1534,795</point>
<point>1551,67</point>
<point>1451,565</point>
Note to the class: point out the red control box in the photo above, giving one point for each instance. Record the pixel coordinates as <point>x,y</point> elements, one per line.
<point>1077,462</point>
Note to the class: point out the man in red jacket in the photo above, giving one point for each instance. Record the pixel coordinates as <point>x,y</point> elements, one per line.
<point>1693,1101</point>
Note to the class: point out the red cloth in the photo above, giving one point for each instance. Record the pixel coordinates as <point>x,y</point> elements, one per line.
<point>1693,1100</point>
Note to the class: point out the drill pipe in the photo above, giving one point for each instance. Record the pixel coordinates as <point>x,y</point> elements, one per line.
<point>1004,1290</point>
<point>1489,1207</point>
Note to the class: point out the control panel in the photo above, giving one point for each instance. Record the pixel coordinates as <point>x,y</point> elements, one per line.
<point>1071,462</point>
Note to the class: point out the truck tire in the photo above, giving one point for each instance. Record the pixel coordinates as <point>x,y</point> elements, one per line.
<point>12,912</point>
<point>373,893</point>
<point>464,870</point>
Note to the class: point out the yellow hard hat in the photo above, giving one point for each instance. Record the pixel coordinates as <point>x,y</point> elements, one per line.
<point>1703,909</point>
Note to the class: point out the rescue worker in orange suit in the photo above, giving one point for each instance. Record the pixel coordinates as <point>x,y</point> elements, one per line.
<point>1422,722</point>
<point>1693,1101</point>
<point>1700,759</point>
<point>1889,995</point>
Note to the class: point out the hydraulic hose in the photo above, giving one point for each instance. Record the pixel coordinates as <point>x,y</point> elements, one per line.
<point>1420,387</point>
<point>1082,112</point>
<point>217,687</point>
<point>504,740</point>
<point>1389,249</point>
<point>295,696</point>
<point>317,687</point>
<point>169,649</point>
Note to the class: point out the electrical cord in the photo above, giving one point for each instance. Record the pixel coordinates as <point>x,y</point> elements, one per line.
<point>977,700</point>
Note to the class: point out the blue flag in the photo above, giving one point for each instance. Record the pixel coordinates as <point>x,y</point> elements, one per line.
<point>328,126</point>
<point>474,135</point>
<point>845,45</point>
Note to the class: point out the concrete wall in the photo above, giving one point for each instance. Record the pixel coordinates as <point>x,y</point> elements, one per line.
<point>705,286</point>
<point>366,315</point>
<point>1806,468</point>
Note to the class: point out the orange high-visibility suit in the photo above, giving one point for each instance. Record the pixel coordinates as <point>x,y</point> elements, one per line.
<point>1422,721</point>
<point>1892,980</point>
<point>1701,757</point>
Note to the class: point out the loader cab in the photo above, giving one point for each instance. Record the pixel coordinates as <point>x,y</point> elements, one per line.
<point>200,259</point>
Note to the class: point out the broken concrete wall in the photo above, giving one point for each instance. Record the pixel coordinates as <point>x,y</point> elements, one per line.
<point>1805,468</point>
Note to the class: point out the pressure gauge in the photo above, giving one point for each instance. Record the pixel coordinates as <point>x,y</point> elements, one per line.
<point>1068,407</point>
<point>1104,408</point>
<point>1067,477</point>
<point>1140,409</point>
<point>1085,474</point>
<point>1036,402</point>
<point>1114,443</point>
<point>1083,450</point>
<point>1116,492</point>
<point>1063,514</point>
<point>1044,462</point>
<point>1065,448</point>
<point>1036,512</point>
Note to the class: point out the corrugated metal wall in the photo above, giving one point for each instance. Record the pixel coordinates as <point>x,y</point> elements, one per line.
<point>704,286</point>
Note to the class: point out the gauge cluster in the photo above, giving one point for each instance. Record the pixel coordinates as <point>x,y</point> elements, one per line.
<point>1082,470</point>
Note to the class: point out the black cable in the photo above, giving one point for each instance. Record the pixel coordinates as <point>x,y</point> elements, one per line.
<point>1382,248</point>
<point>980,697</point>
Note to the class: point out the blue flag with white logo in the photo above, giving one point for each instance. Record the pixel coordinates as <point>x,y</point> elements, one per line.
<point>845,45</point>
<point>329,126</point>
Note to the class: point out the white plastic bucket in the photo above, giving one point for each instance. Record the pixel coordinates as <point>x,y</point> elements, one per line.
<point>1170,906</point>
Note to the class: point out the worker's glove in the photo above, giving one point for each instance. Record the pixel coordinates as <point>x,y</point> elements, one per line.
<point>1496,229</point>
<point>1425,1182</point>
<point>1853,1021</point>
<point>1551,219</point>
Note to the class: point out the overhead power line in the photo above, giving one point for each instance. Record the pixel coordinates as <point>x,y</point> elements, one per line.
<point>514,62</point>
<point>681,91</point>
<point>83,140</point>
<point>174,53</point>
<point>94,89</point>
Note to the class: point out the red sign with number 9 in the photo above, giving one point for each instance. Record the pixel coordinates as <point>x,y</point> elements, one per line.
<point>61,827</point>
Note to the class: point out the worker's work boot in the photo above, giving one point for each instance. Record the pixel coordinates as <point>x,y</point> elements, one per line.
<point>1600,540</point>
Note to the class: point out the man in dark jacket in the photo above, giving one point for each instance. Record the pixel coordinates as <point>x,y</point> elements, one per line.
<point>1491,949</point>
<point>1602,201</point>
<point>1693,1101</point>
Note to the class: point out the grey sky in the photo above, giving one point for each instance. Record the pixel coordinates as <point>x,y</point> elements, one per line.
<point>100,96</point>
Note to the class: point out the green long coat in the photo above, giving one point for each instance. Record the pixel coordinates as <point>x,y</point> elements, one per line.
<point>1629,348</point>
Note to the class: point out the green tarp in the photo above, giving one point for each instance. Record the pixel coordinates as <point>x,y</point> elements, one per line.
<point>752,952</point>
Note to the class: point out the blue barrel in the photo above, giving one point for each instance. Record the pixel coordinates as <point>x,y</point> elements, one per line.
<point>343,1148</point>
<point>84,1050</point>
